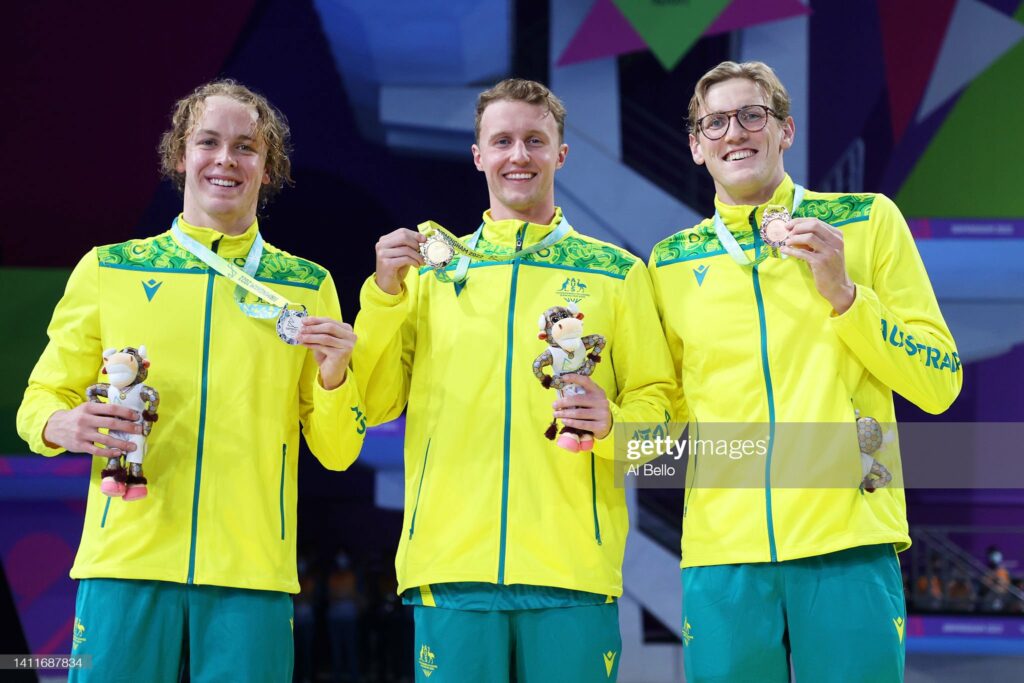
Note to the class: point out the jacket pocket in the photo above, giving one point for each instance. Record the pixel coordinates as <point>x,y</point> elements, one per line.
<point>419,490</point>
<point>284,462</point>
<point>593,498</point>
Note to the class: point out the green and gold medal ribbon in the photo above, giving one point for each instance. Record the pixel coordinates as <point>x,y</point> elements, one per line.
<point>442,246</point>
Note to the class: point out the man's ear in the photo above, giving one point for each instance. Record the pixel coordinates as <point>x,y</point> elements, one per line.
<point>476,157</point>
<point>563,151</point>
<point>788,133</point>
<point>695,151</point>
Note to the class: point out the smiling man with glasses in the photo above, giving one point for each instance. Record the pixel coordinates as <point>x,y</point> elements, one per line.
<point>793,315</point>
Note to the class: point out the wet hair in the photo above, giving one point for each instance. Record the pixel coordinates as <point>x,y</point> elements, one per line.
<point>775,95</point>
<point>522,90</point>
<point>271,127</point>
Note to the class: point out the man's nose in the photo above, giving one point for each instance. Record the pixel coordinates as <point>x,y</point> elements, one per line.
<point>520,154</point>
<point>225,156</point>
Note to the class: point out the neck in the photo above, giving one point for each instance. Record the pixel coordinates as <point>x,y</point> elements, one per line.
<point>229,225</point>
<point>541,214</point>
<point>750,196</point>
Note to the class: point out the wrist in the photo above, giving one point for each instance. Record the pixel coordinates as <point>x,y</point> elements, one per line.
<point>388,285</point>
<point>844,299</point>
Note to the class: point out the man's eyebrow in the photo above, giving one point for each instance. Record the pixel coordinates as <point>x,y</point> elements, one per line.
<point>528,133</point>
<point>213,133</point>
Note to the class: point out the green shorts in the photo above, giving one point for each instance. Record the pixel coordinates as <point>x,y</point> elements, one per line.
<point>839,617</point>
<point>565,644</point>
<point>143,631</point>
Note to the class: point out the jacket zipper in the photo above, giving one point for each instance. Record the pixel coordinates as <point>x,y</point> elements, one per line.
<point>202,415</point>
<point>284,454</point>
<point>696,460</point>
<point>419,490</point>
<point>508,406</point>
<point>766,370</point>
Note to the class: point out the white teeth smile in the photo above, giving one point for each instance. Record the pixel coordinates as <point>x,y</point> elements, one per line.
<point>223,183</point>
<point>741,154</point>
<point>519,176</point>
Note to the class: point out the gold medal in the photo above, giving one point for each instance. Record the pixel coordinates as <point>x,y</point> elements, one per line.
<point>773,227</point>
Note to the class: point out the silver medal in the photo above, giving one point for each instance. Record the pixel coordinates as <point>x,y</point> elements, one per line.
<point>289,324</point>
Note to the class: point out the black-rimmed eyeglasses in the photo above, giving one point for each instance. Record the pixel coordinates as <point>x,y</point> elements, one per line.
<point>752,118</point>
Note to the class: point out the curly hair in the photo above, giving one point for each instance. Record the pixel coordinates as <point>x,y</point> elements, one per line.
<point>761,74</point>
<point>522,90</point>
<point>271,127</point>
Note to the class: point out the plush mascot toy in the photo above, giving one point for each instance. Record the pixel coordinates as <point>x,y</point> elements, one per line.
<point>562,328</point>
<point>127,369</point>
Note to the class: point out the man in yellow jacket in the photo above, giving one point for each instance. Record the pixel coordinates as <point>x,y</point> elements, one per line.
<point>793,316</point>
<point>512,549</point>
<point>204,564</point>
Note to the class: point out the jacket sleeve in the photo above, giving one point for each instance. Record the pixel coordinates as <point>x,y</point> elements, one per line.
<point>333,422</point>
<point>680,411</point>
<point>895,327</point>
<point>71,360</point>
<point>386,329</point>
<point>644,382</point>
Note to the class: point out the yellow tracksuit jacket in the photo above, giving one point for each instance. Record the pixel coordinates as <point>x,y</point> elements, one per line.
<point>222,457</point>
<point>487,497</point>
<point>761,347</point>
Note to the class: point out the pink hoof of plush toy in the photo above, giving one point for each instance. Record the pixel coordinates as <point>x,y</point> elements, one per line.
<point>136,492</point>
<point>569,442</point>
<point>587,443</point>
<point>111,487</point>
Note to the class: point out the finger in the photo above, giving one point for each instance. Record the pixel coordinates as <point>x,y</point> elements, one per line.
<point>110,410</point>
<point>583,381</point>
<point>400,256</point>
<point>325,341</point>
<point>810,240</point>
<point>114,423</point>
<point>99,451</point>
<point>579,400</point>
<point>581,413</point>
<point>401,237</point>
<point>798,253</point>
<point>586,425</point>
<point>111,442</point>
<point>331,327</point>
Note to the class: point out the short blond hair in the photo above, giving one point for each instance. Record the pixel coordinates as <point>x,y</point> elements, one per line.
<point>761,74</point>
<point>522,90</point>
<point>271,127</point>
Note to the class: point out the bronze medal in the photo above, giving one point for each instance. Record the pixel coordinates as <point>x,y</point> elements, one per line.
<point>773,227</point>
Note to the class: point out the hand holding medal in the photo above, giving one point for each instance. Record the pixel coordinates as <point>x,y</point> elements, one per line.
<point>331,342</point>
<point>821,247</point>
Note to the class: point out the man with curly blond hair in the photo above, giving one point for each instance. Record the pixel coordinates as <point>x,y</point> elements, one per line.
<point>246,344</point>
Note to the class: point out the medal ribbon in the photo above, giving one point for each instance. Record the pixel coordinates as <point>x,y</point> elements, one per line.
<point>732,246</point>
<point>244,278</point>
<point>467,250</point>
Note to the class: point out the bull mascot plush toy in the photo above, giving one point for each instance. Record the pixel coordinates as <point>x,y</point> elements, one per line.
<point>569,351</point>
<point>127,370</point>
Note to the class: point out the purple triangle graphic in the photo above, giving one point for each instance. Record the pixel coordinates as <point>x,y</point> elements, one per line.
<point>605,32</point>
<point>746,13</point>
